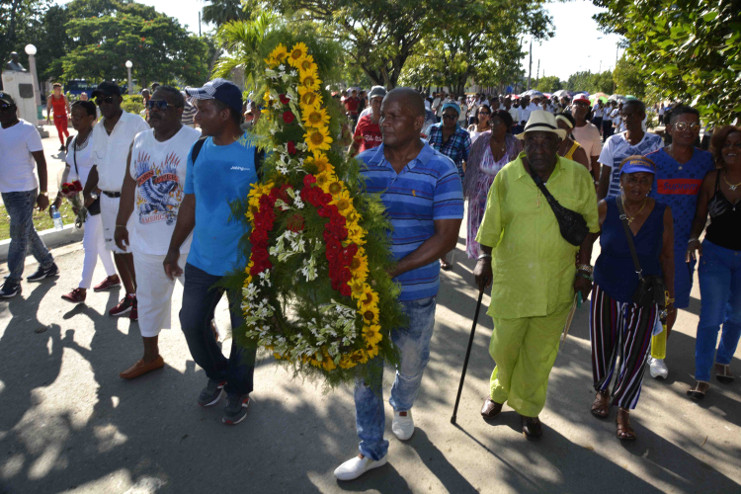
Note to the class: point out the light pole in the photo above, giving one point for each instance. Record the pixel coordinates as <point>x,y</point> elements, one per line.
<point>31,52</point>
<point>128,68</point>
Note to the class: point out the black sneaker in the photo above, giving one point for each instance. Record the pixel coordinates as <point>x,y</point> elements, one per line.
<point>42,274</point>
<point>235,410</point>
<point>211,394</point>
<point>10,289</point>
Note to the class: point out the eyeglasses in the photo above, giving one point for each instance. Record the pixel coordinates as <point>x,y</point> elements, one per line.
<point>450,116</point>
<point>159,104</point>
<point>103,99</point>
<point>681,126</point>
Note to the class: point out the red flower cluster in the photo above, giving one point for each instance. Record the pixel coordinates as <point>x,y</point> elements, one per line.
<point>71,188</point>
<point>288,116</point>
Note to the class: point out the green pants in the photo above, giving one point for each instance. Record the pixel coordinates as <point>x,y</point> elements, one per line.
<point>524,350</point>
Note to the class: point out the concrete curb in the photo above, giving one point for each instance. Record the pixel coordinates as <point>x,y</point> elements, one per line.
<point>51,237</point>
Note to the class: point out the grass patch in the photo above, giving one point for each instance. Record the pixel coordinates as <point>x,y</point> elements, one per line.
<point>41,219</point>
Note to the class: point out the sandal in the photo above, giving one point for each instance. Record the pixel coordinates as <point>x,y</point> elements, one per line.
<point>698,392</point>
<point>723,373</point>
<point>624,431</point>
<point>601,404</point>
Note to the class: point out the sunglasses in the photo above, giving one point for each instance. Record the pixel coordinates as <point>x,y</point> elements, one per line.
<point>103,99</point>
<point>159,104</point>
<point>681,126</point>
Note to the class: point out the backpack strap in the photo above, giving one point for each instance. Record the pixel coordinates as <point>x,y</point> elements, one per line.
<point>197,147</point>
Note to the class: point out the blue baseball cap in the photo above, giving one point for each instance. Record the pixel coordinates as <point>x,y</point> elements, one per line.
<point>219,89</point>
<point>637,163</point>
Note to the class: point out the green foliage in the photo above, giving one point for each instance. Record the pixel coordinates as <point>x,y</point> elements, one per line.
<point>549,84</point>
<point>628,79</point>
<point>591,82</point>
<point>19,21</point>
<point>220,12</point>
<point>686,50</point>
<point>133,104</point>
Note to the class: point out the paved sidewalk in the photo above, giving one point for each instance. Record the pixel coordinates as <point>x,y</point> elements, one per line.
<point>68,423</point>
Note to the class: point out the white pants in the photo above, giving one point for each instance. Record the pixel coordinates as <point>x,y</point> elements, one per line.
<point>94,246</point>
<point>153,293</point>
<point>108,213</point>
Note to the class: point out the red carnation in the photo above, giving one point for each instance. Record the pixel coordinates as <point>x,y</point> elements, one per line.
<point>284,99</point>
<point>288,116</point>
<point>290,145</point>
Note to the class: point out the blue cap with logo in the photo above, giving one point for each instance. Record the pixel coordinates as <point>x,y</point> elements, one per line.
<point>221,90</point>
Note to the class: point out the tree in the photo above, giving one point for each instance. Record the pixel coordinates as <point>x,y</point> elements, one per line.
<point>687,50</point>
<point>20,18</point>
<point>628,79</point>
<point>549,84</point>
<point>220,12</point>
<point>100,35</point>
<point>591,82</point>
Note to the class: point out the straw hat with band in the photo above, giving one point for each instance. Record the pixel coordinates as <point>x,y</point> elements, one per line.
<point>542,121</point>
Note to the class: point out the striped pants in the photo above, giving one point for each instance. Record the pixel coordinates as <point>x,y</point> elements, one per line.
<point>619,330</point>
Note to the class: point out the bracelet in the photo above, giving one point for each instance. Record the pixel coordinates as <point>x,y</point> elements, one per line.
<point>695,239</point>
<point>120,226</point>
<point>585,267</point>
<point>484,256</point>
<point>44,193</point>
<point>586,276</point>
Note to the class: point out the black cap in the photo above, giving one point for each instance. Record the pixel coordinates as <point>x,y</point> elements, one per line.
<point>6,98</point>
<point>107,89</point>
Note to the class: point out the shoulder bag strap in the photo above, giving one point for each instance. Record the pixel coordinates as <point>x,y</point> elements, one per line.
<point>74,156</point>
<point>629,236</point>
<point>549,197</point>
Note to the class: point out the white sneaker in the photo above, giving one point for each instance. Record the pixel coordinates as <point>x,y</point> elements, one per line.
<point>657,367</point>
<point>403,425</point>
<point>357,466</point>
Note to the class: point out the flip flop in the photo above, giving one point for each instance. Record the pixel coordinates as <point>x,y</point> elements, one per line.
<point>698,392</point>
<point>601,405</point>
<point>725,376</point>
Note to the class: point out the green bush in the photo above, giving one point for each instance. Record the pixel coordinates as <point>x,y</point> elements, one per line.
<point>133,104</point>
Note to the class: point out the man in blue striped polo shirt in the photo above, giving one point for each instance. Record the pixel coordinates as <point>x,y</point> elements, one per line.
<point>423,196</point>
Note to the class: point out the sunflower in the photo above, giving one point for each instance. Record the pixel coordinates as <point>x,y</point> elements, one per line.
<point>279,53</point>
<point>324,179</point>
<point>321,161</point>
<point>318,139</point>
<point>342,200</point>
<point>358,288</point>
<point>368,298</point>
<point>370,315</point>
<point>308,98</point>
<point>307,64</point>
<point>315,116</point>
<point>297,54</point>
<point>359,265</point>
<point>336,187</point>
<point>310,81</point>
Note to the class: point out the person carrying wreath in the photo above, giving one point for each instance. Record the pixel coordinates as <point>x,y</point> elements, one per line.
<point>620,328</point>
<point>531,267</point>
<point>720,262</point>
<point>422,194</point>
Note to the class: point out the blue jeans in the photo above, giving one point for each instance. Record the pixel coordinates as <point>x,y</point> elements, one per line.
<point>413,343</point>
<point>23,234</point>
<point>200,296</point>
<point>720,291</point>
<point>683,273</point>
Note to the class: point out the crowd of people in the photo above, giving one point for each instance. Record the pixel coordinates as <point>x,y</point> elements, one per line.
<point>542,179</point>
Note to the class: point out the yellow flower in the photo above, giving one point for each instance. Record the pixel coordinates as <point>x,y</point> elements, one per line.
<point>359,265</point>
<point>308,97</point>
<point>308,65</point>
<point>342,200</point>
<point>279,53</point>
<point>271,62</point>
<point>370,315</point>
<point>315,116</point>
<point>372,334</point>
<point>336,187</point>
<point>322,163</point>
<point>356,235</point>
<point>310,81</point>
<point>368,298</point>
<point>358,288</point>
<point>318,138</point>
<point>324,180</point>
<point>359,356</point>
<point>297,54</point>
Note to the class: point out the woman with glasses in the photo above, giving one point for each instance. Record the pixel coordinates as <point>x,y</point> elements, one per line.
<point>480,122</point>
<point>720,262</point>
<point>489,153</point>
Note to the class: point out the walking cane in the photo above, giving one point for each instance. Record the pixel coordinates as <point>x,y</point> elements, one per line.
<point>468,354</point>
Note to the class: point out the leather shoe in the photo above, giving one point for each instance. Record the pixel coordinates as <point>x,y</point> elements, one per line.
<point>141,367</point>
<point>491,409</point>
<point>532,427</point>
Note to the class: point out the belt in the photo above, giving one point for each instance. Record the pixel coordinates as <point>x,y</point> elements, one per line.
<point>111,194</point>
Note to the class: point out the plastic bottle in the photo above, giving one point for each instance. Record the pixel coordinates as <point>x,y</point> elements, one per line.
<point>57,217</point>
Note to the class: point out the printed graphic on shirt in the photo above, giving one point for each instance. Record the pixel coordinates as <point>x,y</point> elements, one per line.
<point>158,189</point>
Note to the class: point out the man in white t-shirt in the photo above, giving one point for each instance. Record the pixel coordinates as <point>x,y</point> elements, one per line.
<point>586,133</point>
<point>21,151</point>
<point>153,190</point>
<point>619,146</point>
<point>111,140</point>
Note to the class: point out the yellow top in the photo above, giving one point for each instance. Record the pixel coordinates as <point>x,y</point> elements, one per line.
<point>533,266</point>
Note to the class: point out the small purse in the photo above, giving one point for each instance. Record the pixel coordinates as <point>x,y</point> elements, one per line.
<point>572,225</point>
<point>651,288</point>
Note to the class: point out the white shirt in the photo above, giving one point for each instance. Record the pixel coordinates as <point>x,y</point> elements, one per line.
<point>83,157</point>
<point>110,151</point>
<point>159,171</point>
<point>617,148</point>
<point>17,166</point>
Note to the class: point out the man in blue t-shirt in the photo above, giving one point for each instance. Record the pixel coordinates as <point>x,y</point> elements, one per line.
<point>680,170</point>
<point>424,201</point>
<point>223,171</point>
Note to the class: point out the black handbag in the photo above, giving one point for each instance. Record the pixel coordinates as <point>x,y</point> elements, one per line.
<point>94,208</point>
<point>572,225</point>
<point>651,288</point>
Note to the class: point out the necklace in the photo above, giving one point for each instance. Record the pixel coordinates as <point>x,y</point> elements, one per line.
<point>631,218</point>
<point>731,186</point>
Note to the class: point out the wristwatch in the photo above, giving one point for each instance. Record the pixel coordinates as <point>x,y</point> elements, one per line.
<point>93,196</point>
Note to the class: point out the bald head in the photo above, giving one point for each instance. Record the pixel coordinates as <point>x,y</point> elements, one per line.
<point>409,99</point>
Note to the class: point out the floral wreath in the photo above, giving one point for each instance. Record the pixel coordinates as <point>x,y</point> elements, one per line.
<point>317,272</point>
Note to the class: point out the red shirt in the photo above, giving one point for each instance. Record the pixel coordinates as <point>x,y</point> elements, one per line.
<point>351,105</point>
<point>367,133</point>
<point>59,106</point>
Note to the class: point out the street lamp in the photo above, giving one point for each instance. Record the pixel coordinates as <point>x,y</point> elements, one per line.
<point>128,68</point>
<point>31,52</point>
